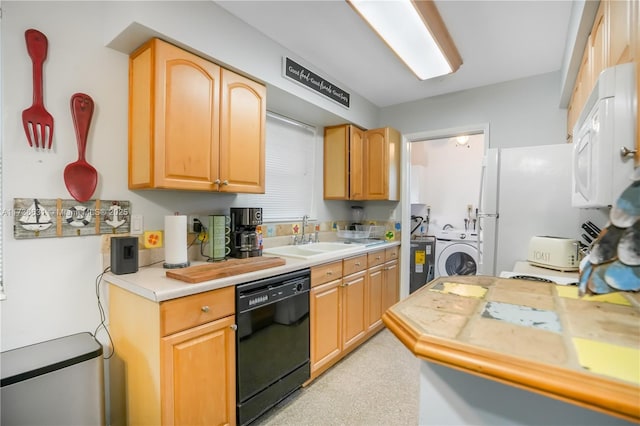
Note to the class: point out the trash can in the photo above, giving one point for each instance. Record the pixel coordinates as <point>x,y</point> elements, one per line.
<point>57,382</point>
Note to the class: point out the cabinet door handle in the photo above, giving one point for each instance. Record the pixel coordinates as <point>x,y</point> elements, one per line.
<point>233,327</point>
<point>225,182</point>
<point>626,152</point>
<point>329,272</point>
<point>357,263</point>
<point>205,309</point>
<point>217,181</point>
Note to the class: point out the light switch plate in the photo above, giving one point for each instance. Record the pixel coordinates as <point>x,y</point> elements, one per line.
<point>137,224</point>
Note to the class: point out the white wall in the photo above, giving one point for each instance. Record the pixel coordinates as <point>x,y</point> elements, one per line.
<point>50,283</point>
<point>522,112</point>
<point>449,180</point>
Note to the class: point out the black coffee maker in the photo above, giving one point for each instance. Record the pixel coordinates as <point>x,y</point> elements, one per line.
<point>245,241</point>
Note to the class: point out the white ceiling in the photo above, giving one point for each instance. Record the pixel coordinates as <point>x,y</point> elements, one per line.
<point>498,41</point>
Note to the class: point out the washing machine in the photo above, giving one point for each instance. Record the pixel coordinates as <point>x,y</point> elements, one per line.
<point>456,253</point>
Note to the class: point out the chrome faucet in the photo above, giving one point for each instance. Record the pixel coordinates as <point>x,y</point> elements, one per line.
<point>305,222</point>
<point>301,240</point>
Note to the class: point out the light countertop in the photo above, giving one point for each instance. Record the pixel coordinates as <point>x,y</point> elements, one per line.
<point>152,283</point>
<point>537,336</point>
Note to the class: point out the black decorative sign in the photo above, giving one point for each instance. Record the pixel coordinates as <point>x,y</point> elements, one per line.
<point>313,81</point>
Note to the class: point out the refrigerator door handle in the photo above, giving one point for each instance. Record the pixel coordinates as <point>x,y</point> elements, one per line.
<point>496,215</point>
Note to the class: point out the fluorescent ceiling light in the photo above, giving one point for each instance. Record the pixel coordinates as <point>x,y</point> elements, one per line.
<point>416,33</point>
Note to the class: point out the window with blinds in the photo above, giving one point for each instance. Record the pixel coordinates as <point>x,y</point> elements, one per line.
<point>290,158</point>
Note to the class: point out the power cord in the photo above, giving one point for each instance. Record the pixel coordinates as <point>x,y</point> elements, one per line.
<point>202,236</point>
<point>103,317</point>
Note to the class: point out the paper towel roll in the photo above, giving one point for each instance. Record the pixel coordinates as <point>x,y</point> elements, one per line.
<point>175,242</point>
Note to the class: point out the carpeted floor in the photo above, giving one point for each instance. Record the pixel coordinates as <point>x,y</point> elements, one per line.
<point>377,384</point>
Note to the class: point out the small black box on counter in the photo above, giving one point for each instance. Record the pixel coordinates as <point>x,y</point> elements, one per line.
<point>124,255</point>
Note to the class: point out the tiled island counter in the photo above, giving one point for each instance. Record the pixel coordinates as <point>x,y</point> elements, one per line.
<point>504,351</point>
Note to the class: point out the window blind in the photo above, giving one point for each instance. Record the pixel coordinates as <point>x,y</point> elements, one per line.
<point>289,169</point>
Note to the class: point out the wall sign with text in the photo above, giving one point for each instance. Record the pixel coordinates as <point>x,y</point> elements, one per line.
<point>313,81</point>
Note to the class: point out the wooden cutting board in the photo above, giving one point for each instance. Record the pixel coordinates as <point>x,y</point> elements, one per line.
<point>229,267</point>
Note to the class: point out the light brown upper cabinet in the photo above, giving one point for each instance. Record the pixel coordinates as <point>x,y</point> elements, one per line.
<point>361,165</point>
<point>614,40</point>
<point>623,30</point>
<point>343,161</point>
<point>382,164</point>
<point>192,124</point>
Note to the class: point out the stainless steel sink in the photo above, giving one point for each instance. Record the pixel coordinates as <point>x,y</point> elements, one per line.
<point>312,250</point>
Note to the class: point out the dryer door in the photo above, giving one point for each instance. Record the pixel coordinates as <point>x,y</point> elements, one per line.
<point>458,259</point>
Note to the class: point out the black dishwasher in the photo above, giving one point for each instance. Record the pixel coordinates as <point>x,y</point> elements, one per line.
<point>272,341</point>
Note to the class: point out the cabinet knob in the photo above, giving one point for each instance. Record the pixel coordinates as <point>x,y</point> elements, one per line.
<point>217,181</point>
<point>626,152</point>
<point>357,263</point>
<point>225,182</point>
<point>205,309</point>
<point>329,272</point>
<point>234,327</point>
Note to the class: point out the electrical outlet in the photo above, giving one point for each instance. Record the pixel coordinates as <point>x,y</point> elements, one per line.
<point>194,224</point>
<point>137,224</point>
<point>153,239</point>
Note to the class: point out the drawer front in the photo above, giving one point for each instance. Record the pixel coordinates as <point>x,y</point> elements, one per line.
<point>354,264</point>
<point>327,272</point>
<point>190,311</point>
<point>391,253</point>
<point>376,258</point>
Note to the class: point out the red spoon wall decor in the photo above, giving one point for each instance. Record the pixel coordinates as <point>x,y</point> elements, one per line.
<point>36,120</point>
<point>80,177</point>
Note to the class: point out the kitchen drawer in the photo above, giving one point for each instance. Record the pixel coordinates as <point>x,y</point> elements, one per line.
<point>391,253</point>
<point>327,272</point>
<point>190,311</point>
<point>376,258</point>
<point>354,264</point>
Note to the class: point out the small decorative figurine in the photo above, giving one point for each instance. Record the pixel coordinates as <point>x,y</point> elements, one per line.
<point>614,261</point>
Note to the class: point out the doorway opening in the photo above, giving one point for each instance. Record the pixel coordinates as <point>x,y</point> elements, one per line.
<point>444,183</point>
<point>444,170</point>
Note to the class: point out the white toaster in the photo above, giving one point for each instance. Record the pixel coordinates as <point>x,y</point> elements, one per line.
<point>558,253</point>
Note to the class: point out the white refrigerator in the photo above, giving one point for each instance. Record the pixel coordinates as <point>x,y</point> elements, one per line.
<point>525,192</point>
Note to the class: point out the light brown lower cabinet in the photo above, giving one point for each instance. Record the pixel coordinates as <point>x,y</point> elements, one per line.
<point>374,297</point>
<point>347,301</point>
<point>326,324</point>
<point>198,375</point>
<point>390,284</point>
<point>174,361</point>
<point>354,312</point>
